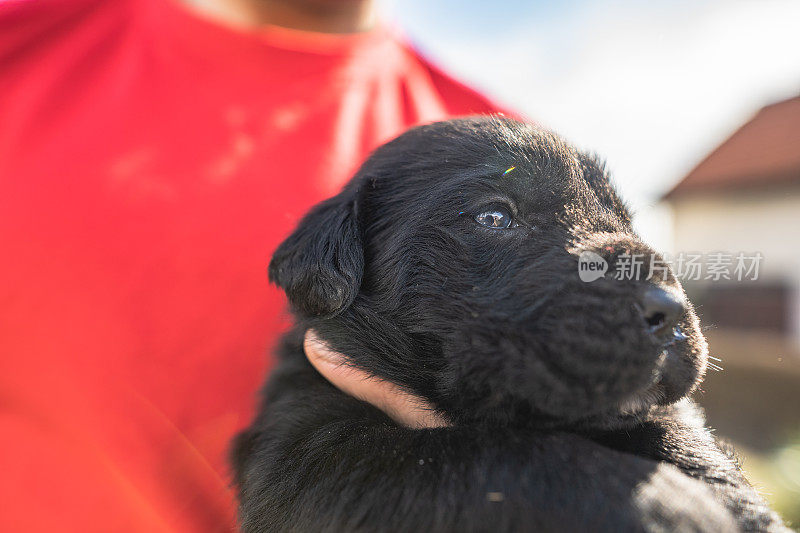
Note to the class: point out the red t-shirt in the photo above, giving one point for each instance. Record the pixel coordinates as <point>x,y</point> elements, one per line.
<point>150,161</point>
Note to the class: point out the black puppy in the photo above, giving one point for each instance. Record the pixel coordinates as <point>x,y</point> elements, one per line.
<point>450,266</point>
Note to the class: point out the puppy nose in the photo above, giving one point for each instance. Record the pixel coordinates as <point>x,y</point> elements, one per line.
<point>661,310</point>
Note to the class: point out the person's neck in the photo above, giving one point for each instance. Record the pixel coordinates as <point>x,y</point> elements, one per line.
<point>324,16</point>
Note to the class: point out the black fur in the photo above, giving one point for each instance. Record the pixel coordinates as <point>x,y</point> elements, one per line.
<point>567,414</point>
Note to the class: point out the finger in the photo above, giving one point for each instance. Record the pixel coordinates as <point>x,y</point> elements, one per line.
<point>403,407</point>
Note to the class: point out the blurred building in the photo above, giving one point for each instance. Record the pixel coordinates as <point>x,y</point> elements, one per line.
<point>744,197</point>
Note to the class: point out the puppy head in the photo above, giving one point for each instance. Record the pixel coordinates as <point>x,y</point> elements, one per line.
<point>451,264</point>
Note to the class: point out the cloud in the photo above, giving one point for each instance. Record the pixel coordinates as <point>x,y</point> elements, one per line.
<point>652,86</point>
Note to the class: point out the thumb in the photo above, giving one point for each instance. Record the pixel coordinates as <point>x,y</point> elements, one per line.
<point>403,407</point>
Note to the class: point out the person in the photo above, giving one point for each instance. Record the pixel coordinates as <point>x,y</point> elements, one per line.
<point>152,155</point>
<point>403,407</point>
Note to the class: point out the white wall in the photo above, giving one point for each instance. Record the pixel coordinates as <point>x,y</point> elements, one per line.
<point>755,221</point>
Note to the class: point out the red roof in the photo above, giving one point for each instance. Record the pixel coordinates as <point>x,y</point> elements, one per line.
<point>765,150</point>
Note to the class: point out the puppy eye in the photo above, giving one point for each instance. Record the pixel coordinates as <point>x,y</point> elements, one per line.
<point>496,218</point>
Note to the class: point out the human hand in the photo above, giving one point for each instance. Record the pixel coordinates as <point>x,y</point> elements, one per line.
<point>402,406</point>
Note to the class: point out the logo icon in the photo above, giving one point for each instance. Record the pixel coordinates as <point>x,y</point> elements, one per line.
<point>591,266</point>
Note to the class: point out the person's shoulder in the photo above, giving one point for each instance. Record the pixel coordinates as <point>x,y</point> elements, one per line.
<point>461,99</point>
<point>26,14</point>
<point>27,26</point>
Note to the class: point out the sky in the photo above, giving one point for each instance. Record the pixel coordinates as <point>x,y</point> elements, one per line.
<point>652,86</point>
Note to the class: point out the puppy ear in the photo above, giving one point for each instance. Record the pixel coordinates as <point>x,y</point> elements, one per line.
<point>321,264</point>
